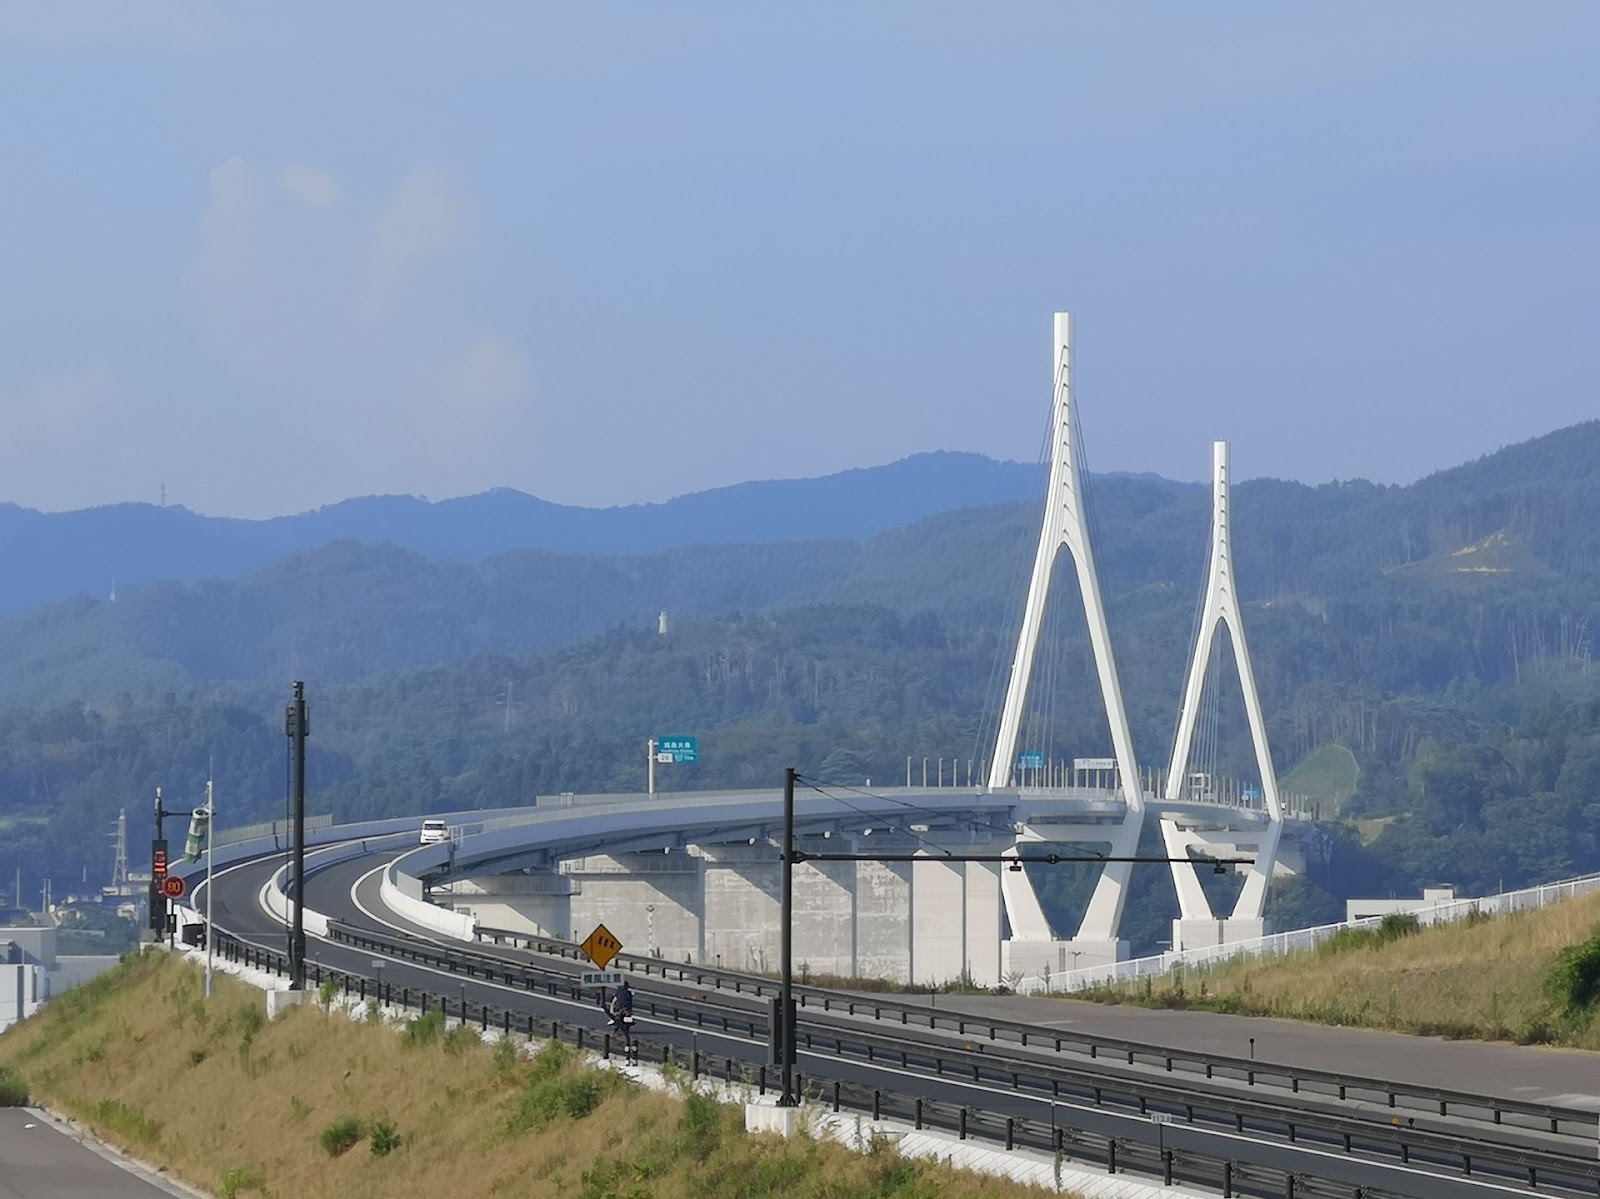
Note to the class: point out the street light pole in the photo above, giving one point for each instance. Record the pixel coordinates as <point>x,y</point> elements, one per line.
<point>296,728</point>
<point>786,1038</point>
<point>211,841</point>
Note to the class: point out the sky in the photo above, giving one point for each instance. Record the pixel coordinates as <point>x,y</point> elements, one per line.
<point>258,259</point>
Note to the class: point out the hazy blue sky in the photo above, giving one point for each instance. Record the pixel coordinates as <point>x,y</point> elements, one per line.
<point>273,256</point>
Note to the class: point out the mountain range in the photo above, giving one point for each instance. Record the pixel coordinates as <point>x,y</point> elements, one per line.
<point>1441,633</point>
<point>96,551</point>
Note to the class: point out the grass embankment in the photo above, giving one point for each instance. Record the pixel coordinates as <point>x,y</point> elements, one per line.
<point>316,1104</point>
<point>1531,977</point>
<point>1327,776</point>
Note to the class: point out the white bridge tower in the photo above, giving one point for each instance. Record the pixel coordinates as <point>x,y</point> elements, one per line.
<point>1196,925</point>
<point>1033,943</point>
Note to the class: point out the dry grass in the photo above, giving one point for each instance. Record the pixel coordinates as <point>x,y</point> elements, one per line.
<point>241,1107</point>
<point>1481,979</point>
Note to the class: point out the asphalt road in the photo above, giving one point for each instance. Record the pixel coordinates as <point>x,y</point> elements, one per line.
<point>330,891</point>
<point>1566,1077</point>
<point>39,1161</point>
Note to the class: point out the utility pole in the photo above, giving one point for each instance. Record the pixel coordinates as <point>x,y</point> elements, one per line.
<point>211,841</point>
<point>295,726</point>
<point>158,850</point>
<point>783,1027</point>
<point>650,760</point>
<point>784,1033</point>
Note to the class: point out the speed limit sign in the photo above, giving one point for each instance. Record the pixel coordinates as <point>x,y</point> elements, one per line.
<point>173,887</point>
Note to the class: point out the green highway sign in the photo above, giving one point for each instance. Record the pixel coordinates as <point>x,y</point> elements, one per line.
<point>677,749</point>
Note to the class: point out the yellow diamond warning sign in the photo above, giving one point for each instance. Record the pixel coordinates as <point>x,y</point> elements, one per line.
<point>601,946</point>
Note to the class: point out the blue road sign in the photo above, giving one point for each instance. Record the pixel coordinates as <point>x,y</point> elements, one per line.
<point>1031,759</point>
<point>677,749</point>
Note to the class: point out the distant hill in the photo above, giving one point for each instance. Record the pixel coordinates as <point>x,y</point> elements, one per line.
<point>407,596</point>
<point>1439,635</point>
<point>54,556</point>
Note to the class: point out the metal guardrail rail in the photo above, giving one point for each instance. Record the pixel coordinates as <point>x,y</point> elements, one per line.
<point>1393,1094</point>
<point>1070,1138</point>
<point>1033,1076</point>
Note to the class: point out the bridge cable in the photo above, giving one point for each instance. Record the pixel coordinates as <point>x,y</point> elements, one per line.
<point>1012,606</point>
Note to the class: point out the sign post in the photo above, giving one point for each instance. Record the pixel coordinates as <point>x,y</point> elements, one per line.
<point>211,829</point>
<point>158,876</point>
<point>668,750</point>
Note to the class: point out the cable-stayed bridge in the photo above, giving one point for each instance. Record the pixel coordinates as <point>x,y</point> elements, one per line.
<point>695,876</point>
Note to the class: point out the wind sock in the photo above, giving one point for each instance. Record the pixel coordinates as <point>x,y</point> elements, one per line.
<point>199,825</point>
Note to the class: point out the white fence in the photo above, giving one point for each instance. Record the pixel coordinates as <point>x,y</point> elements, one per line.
<point>1305,938</point>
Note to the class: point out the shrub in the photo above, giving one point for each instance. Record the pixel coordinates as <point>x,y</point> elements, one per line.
<point>505,1056</point>
<point>1348,939</point>
<point>1574,977</point>
<point>327,991</point>
<point>425,1029</point>
<point>552,1059</point>
<point>702,1123</point>
<point>241,1178</point>
<point>251,1020</point>
<point>131,1123</point>
<point>547,1097</point>
<point>340,1135</point>
<point>1396,925</point>
<point>385,1138</point>
<point>13,1091</point>
<point>461,1038</point>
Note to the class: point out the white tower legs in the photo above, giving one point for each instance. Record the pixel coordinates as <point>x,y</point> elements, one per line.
<point>1066,527</point>
<point>1196,924</point>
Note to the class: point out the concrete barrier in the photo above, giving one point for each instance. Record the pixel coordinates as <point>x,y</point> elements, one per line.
<point>402,894</point>
<point>276,893</point>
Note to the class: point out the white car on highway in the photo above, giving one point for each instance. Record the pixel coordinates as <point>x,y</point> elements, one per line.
<point>433,832</point>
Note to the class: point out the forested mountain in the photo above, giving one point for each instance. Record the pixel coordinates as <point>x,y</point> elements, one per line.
<point>54,556</point>
<point>1441,632</point>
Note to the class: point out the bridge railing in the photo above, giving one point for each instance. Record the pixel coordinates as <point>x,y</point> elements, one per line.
<point>1278,944</point>
<point>267,828</point>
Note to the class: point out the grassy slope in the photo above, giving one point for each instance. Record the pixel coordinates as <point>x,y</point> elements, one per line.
<point>1327,775</point>
<point>1482,979</point>
<point>235,1105</point>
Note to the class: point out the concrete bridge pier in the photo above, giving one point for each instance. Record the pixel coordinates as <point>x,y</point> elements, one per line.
<point>743,905</point>
<point>538,902</point>
<point>955,920</point>
<point>1034,948</point>
<point>927,921</point>
<point>651,900</point>
<point>1197,928</point>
